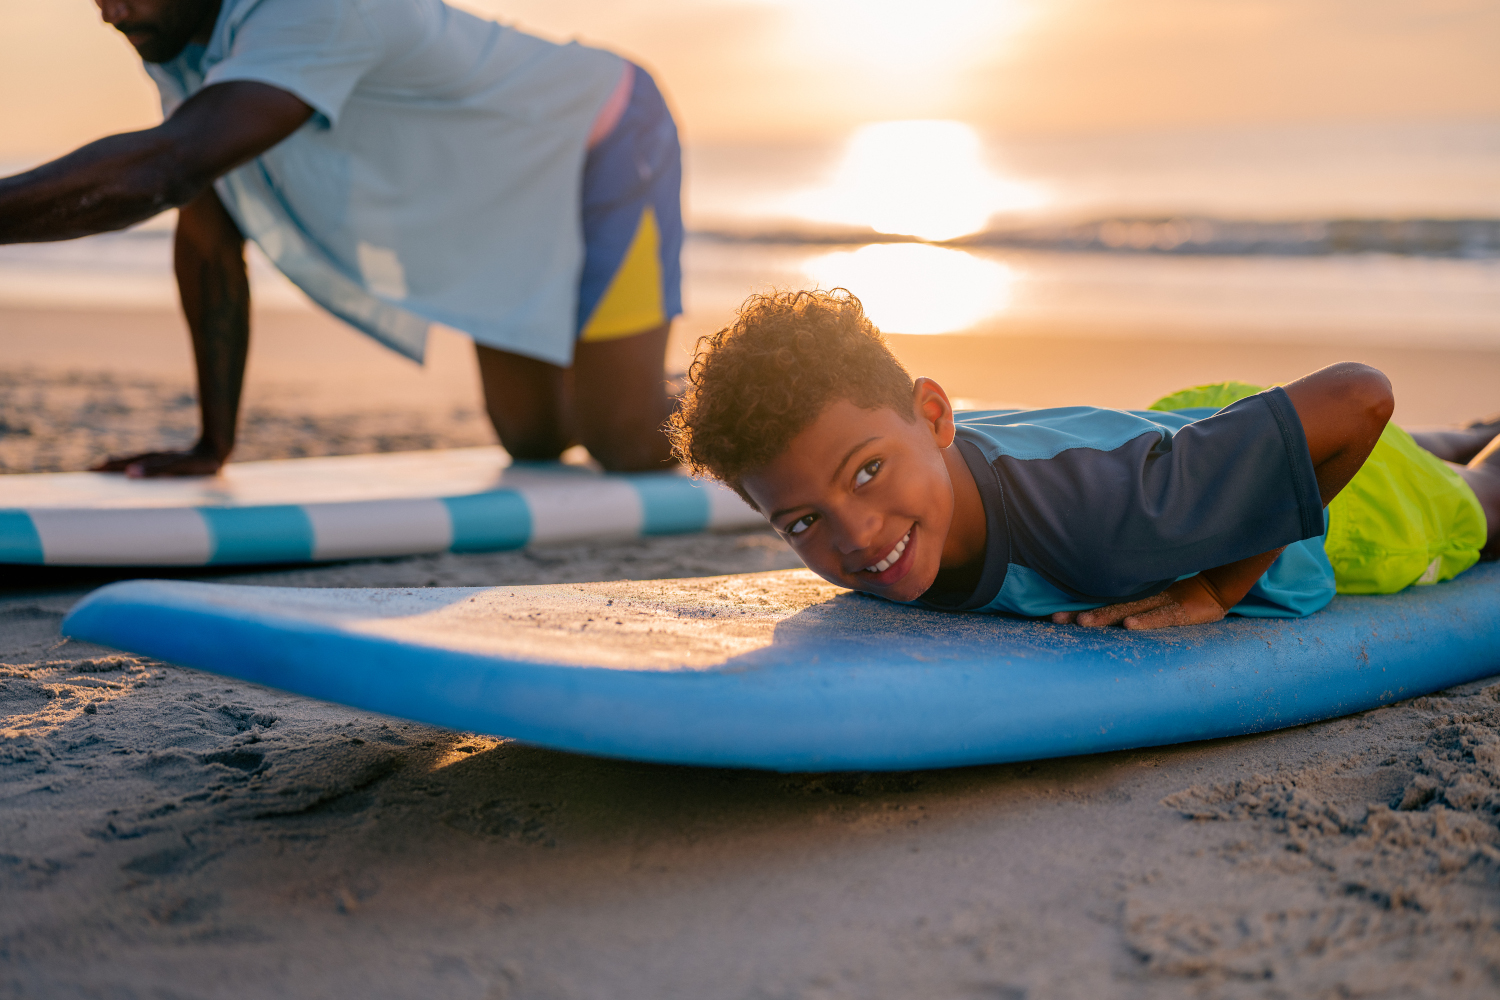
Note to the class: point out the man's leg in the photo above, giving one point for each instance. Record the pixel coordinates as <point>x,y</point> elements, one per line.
<point>613,401</point>
<point>620,400</point>
<point>630,286</point>
<point>529,402</point>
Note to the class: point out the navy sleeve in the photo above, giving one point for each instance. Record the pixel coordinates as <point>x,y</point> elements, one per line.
<point>1118,524</point>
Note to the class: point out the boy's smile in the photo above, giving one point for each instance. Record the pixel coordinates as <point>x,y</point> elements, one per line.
<point>872,501</point>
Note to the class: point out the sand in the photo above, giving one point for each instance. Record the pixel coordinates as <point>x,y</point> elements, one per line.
<point>171,834</point>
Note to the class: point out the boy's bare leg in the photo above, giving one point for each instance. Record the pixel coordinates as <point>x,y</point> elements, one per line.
<point>1483,476</point>
<point>1459,446</point>
<point>613,401</point>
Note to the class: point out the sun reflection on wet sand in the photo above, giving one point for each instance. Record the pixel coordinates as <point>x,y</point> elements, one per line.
<point>916,178</point>
<point>914,288</point>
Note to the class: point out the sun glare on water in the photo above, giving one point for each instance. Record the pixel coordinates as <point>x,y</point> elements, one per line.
<point>925,179</point>
<point>915,178</point>
<point>914,288</point>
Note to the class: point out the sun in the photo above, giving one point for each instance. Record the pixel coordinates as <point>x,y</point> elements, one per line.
<point>926,179</point>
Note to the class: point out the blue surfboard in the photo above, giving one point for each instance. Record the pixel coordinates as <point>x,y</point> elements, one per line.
<point>783,671</point>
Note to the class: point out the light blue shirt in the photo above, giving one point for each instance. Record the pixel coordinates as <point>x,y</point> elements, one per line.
<point>1298,583</point>
<point>439,178</point>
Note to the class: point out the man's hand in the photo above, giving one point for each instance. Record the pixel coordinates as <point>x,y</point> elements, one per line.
<point>210,262</point>
<point>200,461</point>
<point>1187,602</point>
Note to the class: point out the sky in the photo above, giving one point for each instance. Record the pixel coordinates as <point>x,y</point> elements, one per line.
<point>792,70</point>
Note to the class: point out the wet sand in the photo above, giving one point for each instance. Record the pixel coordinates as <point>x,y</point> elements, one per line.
<point>168,833</point>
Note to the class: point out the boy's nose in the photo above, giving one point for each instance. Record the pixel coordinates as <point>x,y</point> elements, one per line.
<point>856,537</point>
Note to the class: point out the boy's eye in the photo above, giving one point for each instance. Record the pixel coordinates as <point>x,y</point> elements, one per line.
<point>867,472</point>
<point>800,525</point>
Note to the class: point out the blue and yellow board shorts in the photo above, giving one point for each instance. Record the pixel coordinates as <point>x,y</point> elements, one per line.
<point>1405,518</point>
<point>632,222</point>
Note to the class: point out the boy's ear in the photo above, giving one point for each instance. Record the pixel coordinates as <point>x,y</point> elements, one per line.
<point>931,405</point>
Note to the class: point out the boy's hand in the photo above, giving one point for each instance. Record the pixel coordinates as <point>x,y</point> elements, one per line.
<point>1187,602</point>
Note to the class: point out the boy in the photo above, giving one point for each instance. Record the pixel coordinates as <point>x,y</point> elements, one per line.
<point>1087,515</point>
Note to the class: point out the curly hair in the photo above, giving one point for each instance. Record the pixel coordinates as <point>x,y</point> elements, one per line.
<point>759,382</point>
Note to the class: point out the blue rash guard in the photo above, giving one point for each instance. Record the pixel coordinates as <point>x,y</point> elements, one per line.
<point>1088,506</point>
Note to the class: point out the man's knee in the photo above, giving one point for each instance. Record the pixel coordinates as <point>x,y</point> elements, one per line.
<point>529,436</point>
<point>533,449</point>
<point>527,403</point>
<point>641,447</point>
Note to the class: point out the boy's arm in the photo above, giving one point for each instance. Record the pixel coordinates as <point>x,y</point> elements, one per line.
<point>1343,408</point>
<point>1197,600</point>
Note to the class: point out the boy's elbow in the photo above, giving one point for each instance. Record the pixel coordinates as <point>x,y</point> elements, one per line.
<point>1376,396</point>
<point>1367,392</point>
<point>1343,408</point>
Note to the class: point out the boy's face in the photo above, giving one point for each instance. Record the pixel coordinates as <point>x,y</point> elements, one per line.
<point>865,496</point>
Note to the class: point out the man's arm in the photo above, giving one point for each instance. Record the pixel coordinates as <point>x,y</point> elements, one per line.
<point>124,179</point>
<point>209,256</point>
<point>1343,409</point>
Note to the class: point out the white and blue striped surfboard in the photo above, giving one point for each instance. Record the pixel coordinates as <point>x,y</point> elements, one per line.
<point>348,507</point>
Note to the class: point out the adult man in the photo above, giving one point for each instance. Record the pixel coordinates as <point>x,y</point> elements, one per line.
<point>404,163</point>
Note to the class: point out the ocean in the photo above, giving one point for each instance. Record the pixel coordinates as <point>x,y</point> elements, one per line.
<point>1335,234</point>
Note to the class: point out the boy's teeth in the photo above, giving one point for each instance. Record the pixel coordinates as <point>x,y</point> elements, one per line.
<point>890,559</point>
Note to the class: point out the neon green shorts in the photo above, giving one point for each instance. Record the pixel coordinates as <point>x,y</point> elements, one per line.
<point>1405,517</point>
